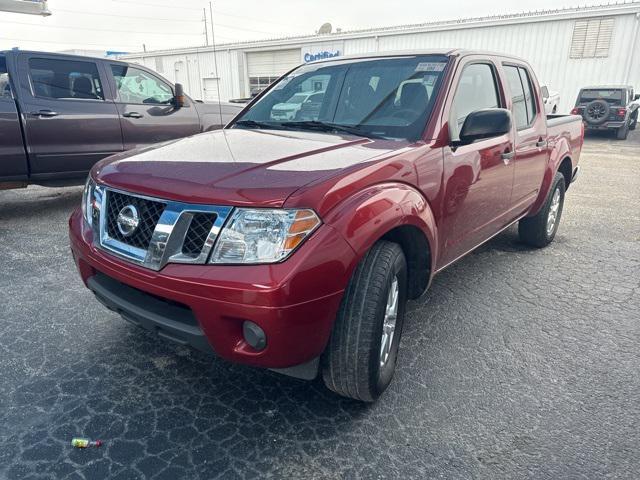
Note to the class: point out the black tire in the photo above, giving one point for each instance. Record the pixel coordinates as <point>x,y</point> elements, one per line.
<point>351,364</point>
<point>634,122</point>
<point>533,230</point>
<point>623,132</point>
<point>597,112</point>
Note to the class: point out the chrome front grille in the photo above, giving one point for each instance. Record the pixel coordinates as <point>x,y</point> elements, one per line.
<point>150,212</point>
<point>196,236</point>
<point>165,231</point>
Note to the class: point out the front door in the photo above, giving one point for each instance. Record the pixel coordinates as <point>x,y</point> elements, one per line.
<point>146,106</point>
<point>70,121</point>
<point>478,177</point>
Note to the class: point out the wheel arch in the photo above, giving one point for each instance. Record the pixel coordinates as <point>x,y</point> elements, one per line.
<point>560,160</point>
<point>395,212</point>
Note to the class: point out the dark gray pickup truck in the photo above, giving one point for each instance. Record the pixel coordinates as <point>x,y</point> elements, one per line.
<point>60,114</point>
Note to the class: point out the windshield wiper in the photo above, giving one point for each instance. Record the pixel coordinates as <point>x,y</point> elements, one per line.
<point>331,127</point>
<point>255,124</point>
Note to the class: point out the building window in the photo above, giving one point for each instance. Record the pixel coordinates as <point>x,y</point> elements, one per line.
<point>257,84</point>
<point>159,65</point>
<point>591,38</point>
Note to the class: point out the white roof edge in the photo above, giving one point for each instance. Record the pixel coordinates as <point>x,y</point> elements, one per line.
<point>624,8</point>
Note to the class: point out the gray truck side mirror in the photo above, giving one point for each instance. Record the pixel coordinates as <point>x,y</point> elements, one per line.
<point>178,96</point>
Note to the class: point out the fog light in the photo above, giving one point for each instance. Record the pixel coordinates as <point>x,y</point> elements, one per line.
<point>254,335</point>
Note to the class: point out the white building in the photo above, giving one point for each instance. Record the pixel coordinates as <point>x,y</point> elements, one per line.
<point>568,48</point>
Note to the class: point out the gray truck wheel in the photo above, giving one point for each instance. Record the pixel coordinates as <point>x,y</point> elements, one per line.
<point>623,132</point>
<point>539,230</point>
<point>361,356</point>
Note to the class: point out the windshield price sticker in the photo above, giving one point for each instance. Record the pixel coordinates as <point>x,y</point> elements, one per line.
<point>430,67</point>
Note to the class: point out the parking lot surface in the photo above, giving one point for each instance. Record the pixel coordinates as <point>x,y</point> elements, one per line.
<point>517,363</point>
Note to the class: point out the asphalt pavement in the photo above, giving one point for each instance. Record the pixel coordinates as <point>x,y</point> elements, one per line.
<point>518,363</point>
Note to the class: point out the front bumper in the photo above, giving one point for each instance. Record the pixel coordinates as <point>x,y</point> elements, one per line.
<point>295,302</point>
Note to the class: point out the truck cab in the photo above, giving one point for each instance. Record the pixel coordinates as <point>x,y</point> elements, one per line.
<point>60,114</point>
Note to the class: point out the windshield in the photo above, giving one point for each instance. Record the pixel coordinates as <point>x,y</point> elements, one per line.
<point>382,97</point>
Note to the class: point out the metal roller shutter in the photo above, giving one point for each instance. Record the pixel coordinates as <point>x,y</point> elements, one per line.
<point>265,67</point>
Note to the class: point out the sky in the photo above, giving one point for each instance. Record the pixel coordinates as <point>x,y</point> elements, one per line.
<point>132,25</point>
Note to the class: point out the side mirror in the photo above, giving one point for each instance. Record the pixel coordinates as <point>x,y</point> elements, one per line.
<point>178,96</point>
<point>636,96</point>
<point>487,123</point>
<point>545,92</point>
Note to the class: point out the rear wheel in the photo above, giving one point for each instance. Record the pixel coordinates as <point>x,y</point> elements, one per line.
<point>623,132</point>
<point>540,230</point>
<point>360,359</point>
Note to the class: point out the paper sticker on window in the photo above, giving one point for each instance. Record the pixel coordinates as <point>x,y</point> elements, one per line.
<point>430,67</point>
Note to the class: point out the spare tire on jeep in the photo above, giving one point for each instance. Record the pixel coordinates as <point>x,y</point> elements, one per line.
<point>597,112</point>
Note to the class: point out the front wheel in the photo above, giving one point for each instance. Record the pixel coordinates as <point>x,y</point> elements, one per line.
<point>360,359</point>
<point>540,230</point>
<point>634,123</point>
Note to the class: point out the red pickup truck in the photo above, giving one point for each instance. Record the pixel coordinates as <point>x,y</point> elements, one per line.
<point>294,245</point>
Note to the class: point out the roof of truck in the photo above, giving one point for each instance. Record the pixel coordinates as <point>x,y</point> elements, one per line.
<point>60,54</point>
<point>461,52</point>
<point>606,87</point>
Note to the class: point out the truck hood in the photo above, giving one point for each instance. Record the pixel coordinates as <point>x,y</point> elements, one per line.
<point>238,166</point>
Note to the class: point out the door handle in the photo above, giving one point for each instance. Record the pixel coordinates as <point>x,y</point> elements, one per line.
<point>507,156</point>
<point>132,115</point>
<point>44,113</point>
<point>541,143</point>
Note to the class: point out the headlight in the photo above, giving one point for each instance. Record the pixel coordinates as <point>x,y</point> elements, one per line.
<point>87,200</point>
<point>263,235</point>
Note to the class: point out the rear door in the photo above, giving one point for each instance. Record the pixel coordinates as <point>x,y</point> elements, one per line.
<point>477,177</point>
<point>13,161</point>
<point>146,107</point>
<point>70,120</point>
<point>531,136</point>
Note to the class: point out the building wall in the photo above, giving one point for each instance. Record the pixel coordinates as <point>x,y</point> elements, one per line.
<point>544,42</point>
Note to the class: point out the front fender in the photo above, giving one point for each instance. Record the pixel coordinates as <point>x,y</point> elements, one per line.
<point>368,215</point>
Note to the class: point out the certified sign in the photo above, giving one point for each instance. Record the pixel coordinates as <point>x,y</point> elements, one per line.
<point>312,57</point>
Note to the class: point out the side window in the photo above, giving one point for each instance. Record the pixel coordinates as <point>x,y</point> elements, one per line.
<point>137,86</point>
<point>517,97</point>
<point>5,87</point>
<point>65,79</point>
<point>476,91</point>
<point>529,97</point>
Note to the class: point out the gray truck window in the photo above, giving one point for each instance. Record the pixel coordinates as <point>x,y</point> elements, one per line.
<point>5,88</point>
<point>137,86</point>
<point>65,79</point>
<point>517,97</point>
<point>476,90</point>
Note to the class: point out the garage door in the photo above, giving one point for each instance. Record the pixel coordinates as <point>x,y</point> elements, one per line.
<point>210,89</point>
<point>265,67</point>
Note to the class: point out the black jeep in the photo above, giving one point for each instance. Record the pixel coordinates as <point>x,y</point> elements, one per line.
<point>608,108</point>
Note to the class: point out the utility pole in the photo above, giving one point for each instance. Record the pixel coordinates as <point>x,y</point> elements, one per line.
<point>206,28</point>
<point>213,38</point>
